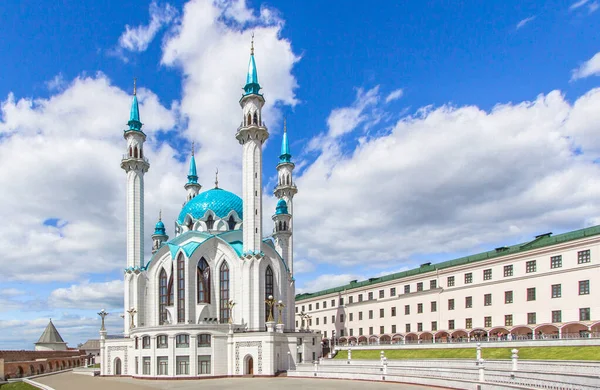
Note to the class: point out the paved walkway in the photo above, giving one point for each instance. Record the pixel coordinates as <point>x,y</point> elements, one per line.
<point>70,381</point>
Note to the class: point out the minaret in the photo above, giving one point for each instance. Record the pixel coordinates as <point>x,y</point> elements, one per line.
<point>285,190</point>
<point>135,165</point>
<point>252,134</point>
<point>192,186</point>
<point>160,235</point>
<point>281,231</point>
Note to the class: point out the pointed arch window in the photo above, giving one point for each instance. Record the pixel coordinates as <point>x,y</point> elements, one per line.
<point>249,121</point>
<point>162,297</point>
<point>284,225</point>
<point>203,276</point>
<point>141,153</point>
<point>135,152</point>
<point>255,118</point>
<point>130,152</point>
<point>280,226</point>
<point>180,289</point>
<point>224,292</point>
<point>231,223</point>
<point>170,290</point>
<point>269,290</point>
<point>210,222</point>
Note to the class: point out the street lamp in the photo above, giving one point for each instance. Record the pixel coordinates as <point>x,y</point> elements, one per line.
<point>230,305</point>
<point>132,312</point>
<point>280,307</point>
<point>270,302</point>
<point>102,314</point>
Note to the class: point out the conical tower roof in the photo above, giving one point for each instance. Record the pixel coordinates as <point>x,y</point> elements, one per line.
<point>50,335</point>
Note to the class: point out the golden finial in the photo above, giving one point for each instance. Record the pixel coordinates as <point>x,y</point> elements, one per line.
<point>217,178</point>
<point>134,86</point>
<point>252,45</point>
<point>192,148</point>
<point>160,215</point>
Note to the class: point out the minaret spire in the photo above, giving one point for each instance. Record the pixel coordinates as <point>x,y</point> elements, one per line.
<point>134,115</point>
<point>217,178</point>
<point>192,186</point>
<point>252,86</point>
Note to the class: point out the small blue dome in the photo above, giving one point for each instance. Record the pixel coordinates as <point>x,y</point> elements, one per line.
<point>217,200</point>
<point>159,228</point>
<point>281,207</point>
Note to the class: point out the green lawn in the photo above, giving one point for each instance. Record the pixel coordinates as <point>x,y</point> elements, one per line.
<point>527,353</point>
<point>18,386</point>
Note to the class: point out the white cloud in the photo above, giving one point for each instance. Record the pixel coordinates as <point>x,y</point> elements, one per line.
<point>57,83</point>
<point>138,38</point>
<point>89,296</point>
<point>593,7</point>
<point>11,292</point>
<point>303,266</point>
<point>326,281</point>
<point>578,4</point>
<point>523,22</point>
<point>343,120</point>
<point>394,95</point>
<point>590,67</point>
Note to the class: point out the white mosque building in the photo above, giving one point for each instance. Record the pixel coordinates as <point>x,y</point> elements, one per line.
<point>217,299</point>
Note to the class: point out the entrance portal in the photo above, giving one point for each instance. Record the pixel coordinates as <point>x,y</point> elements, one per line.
<point>250,366</point>
<point>117,366</point>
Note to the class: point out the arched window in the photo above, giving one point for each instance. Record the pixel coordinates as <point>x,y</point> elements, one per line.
<point>249,121</point>
<point>203,276</point>
<point>255,118</point>
<point>189,225</point>
<point>231,223</point>
<point>284,225</point>
<point>135,154</point>
<point>170,290</point>
<point>269,291</point>
<point>224,293</point>
<point>130,152</point>
<point>210,222</point>
<point>280,226</point>
<point>180,289</point>
<point>141,153</point>
<point>288,180</point>
<point>162,297</point>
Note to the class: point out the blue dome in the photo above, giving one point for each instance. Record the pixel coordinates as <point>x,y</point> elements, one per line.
<point>217,200</point>
<point>159,228</point>
<point>281,207</point>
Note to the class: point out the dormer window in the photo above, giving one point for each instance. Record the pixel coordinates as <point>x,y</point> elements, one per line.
<point>231,223</point>
<point>210,222</point>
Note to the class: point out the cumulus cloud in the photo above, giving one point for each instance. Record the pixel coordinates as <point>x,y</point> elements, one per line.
<point>138,38</point>
<point>523,22</point>
<point>394,95</point>
<point>590,67</point>
<point>345,119</point>
<point>89,296</point>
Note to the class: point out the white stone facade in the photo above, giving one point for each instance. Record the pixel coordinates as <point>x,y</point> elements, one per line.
<point>543,289</point>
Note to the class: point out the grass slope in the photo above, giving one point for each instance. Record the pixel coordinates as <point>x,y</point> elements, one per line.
<point>526,353</point>
<point>18,386</point>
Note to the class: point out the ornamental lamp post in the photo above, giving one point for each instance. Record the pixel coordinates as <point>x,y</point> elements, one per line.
<point>131,312</point>
<point>230,305</point>
<point>270,301</point>
<point>102,314</point>
<point>280,307</point>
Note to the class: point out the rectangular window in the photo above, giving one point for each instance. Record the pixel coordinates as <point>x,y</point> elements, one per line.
<point>303,308</point>
<point>381,313</point>
<point>341,301</point>
<point>182,341</point>
<point>450,324</point>
<point>406,288</point>
<point>360,315</point>
<point>333,319</point>
<point>487,321</point>
<point>584,287</point>
<point>360,297</point>
<point>371,296</point>
<point>381,330</point>
<point>584,314</point>
<point>394,311</point>
<point>419,308</point>
<point>530,266</point>
<point>556,291</point>
<point>556,262</point>
<point>351,318</point>
<point>341,332</point>
<point>407,328</point>
<point>137,362</point>
<point>324,304</point>
<point>468,302</point>
<point>508,297</point>
<point>333,303</point>
<point>351,332</point>
<point>508,270</point>
<point>531,294</point>
<point>161,341</point>
<point>370,330</point>
<point>146,365</point>
<point>433,284</point>
<point>360,332</point>
<point>419,327</point>
<point>487,274</point>
<point>393,328</point>
<point>508,321</point>
<point>420,286</point>
<point>450,304</point>
<point>137,342</point>
<point>487,300</point>
<point>530,318</point>
<point>468,323</point>
<point>309,307</point>
<point>350,299</point>
<point>324,320</point>
<point>317,305</point>
<point>370,314</point>
<point>325,333</point>
<point>433,306</point>
<point>146,342</point>
<point>393,292</point>
<point>381,294</point>
<point>341,318</point>
<point>183,365</point>
<point>556,316</point>
<point>204,364</point>
<point>583,257</point>
<point>450,281</point>
<point>434,326</point>
<point>468,278</point>
<point>162,365</point>
<point>406,309</point>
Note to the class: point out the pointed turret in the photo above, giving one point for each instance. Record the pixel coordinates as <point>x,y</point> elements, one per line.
<point>285,156</point>
<point>50,340</point>
<point>252,86</point>
<point>134,115</point>
<point>192,186</point>
<point>160,234</point>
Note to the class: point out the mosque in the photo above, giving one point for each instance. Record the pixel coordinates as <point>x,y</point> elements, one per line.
<point>217,299</point>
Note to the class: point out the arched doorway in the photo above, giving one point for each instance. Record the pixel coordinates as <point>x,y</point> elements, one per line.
<point>117,366</point>
<point>249,365</point>
<point>20,372</point>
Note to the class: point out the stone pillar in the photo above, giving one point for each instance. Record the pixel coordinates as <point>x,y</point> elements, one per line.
<point>153,364</point>
<point>481,370</point>
<point>103,362</point>
<point>230,354</point>
<point>382,356</point>
<point>478,357</point>
<point>385,363</point>
<point>270,326</point>
<point>515,358</point>
<point>349,353</point>
<point>171,354</point>
<point>193,355</point>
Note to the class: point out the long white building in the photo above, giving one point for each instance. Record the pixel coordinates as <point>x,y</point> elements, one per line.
<point>545,288</point>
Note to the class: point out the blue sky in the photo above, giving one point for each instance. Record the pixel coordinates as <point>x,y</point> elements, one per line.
<point>421,131</point>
